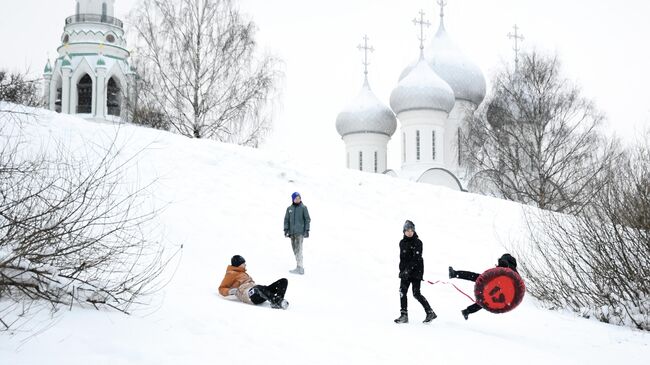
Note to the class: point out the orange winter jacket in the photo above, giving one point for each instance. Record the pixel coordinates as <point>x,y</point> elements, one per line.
<point>236,277</point>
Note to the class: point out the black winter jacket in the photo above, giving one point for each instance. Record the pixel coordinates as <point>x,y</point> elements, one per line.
<point>411,264</point>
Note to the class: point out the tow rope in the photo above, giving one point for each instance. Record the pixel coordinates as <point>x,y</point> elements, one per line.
<point>452,284</point>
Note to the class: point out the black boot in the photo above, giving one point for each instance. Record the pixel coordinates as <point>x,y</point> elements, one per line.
<point>452,273</point>
<point>431,315</point>
<point>403,318</point>
<point>465,313</point>
<point>280,304</point>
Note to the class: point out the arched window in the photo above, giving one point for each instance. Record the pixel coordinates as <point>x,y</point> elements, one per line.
<point>59,95</point>
<point>360,161</point>
<point>85,95</point>
<point>113,97</point>
<point>375,161</point>
<point>433,145</point>
<point>104,12</point>
<point>417,145</point>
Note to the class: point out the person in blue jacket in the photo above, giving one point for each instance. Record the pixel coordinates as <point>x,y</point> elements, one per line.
<point>296,227</point>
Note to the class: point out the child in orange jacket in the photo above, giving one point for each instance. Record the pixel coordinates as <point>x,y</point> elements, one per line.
<point>238,283</point>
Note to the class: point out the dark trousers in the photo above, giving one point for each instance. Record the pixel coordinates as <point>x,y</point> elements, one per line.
<point>471,276</point>
<point>403,290</point>
<point>274,293</point>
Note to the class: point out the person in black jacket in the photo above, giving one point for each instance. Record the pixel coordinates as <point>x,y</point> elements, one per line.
<point>506,260</point>
<point>411,270</point>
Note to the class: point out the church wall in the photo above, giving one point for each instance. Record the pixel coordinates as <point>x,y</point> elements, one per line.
<point>456,121</point>
<point>82,69</point>
<point>368,144</point>
<point>95,7</point>
<point>426,122</point>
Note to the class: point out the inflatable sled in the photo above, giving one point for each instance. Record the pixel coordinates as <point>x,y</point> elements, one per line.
<point>499,290</point>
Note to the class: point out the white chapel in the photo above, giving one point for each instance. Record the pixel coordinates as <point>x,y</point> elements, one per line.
<point>433,97</point>
<point>91,76</point>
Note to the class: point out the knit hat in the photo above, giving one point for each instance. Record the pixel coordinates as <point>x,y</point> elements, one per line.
<point>294,195</point>
<point>507,260</point>
<point>408,225</point>
<point>237,260</point>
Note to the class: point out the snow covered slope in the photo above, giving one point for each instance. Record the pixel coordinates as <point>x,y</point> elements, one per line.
<point>224,200</point>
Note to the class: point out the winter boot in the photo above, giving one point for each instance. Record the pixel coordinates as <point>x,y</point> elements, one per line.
<point>465,313</point>
<point>282,304</point>
<point>452,273</point>
<point>298,270</point>
<point>431,315</point>
<point>403,318</point>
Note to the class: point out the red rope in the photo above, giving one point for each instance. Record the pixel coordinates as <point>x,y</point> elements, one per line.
<point>446,282</point>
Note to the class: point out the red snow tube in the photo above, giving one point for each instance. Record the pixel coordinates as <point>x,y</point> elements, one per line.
<point>499,290</point>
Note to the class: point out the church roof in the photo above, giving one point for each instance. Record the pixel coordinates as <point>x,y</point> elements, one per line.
<point>464,77</point>
<point>366,114</point>
<point>421,89</point>
<point>48,68</point>
<point>100,61</point>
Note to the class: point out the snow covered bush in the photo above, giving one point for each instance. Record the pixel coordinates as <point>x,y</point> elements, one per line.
<point>72,231</point>
<point>598,263</point>
<point>18,88</point>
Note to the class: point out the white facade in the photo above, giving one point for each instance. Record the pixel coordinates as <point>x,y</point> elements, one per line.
<point>422,134</point>
<point>91,75</point>
<point>455,123</point>
<point>366,125</point>
<point>366,151</point>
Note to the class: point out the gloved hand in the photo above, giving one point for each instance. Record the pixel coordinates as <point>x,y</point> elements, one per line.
<point>286,233</point>
<point>306,234</point>
<point>232,291</point>
<point>404,274</point>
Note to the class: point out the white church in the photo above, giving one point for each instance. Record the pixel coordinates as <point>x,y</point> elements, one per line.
<point>433,97</point>
<point>91,76</point>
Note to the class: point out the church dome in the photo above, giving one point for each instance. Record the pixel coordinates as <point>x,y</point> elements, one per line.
<point>422,88</point>
<point>66,62</point>
<point>48,68</point>
<point>464,77</point>
<point>366,114</point>
<point>100,61</point>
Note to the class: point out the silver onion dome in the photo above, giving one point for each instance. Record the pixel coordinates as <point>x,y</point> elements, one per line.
<point>366,114</point>
<point>421,89</point>
<point>464,77</point>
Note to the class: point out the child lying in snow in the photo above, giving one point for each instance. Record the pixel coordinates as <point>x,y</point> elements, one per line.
<point>238,283</point>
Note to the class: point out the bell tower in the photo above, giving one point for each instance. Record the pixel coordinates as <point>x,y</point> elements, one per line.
<point>97,7</point>
<point>92,75</point>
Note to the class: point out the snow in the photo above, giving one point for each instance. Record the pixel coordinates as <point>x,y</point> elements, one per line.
<point>220,200</point>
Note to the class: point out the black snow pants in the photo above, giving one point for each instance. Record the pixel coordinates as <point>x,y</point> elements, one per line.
<point>471,276</point>
<point>403,290</point>
<point>274,293</point>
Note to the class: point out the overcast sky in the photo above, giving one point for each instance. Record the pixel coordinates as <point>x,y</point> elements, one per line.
<point>602,45</point>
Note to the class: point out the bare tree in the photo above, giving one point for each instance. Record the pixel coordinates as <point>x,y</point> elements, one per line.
<point>598,263</point>
<point>18,88</point>
<point>536,139</point>
<point>71,231</point>
<point>198,65</point>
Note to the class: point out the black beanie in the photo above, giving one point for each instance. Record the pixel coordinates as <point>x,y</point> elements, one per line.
<point>408,225</point>
<point>237,260</point>
<point>507,260</point>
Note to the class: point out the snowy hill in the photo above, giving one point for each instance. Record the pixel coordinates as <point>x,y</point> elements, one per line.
<point>222,200</point>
